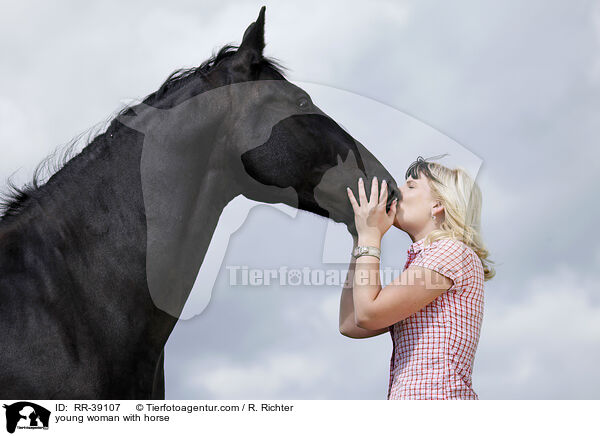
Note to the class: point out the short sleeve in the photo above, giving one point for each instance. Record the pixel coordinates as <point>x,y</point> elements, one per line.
<point>449,257</point>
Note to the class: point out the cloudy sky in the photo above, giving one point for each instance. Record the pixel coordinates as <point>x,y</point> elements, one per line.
<point>509,88</point>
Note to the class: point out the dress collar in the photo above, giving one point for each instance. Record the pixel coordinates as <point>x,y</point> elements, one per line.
<point>417,246</point>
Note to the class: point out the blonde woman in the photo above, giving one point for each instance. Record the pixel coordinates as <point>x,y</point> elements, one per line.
<point>434,309</point>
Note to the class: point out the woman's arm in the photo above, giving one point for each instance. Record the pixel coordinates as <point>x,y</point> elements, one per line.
<point>375,308</point>
<point>347,321</point>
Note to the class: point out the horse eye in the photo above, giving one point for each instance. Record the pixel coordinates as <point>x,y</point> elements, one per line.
<point>303,103</point>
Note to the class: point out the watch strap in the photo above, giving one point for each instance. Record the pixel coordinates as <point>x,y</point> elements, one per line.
<point>366,250</point>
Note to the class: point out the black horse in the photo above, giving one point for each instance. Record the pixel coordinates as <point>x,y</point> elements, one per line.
<point>97,263</point>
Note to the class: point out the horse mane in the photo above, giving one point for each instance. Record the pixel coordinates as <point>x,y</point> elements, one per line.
<point>13,200</point>
<point>182,76</point>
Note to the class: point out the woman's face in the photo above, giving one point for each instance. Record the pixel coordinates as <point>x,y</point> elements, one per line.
<point>413,213</point>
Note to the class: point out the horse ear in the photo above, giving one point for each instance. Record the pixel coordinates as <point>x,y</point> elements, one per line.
<point>253,41</point>
<point>254,36</point>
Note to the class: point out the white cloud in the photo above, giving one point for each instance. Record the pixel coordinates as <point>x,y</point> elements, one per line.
<point>546,344</point>
<point>329,308</point>
<point>20,136</point>
<point>268,377</point>
<point>595,70</point>
<point>312,31</point>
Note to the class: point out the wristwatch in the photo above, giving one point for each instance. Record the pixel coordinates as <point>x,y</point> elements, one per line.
<point>362,250</point>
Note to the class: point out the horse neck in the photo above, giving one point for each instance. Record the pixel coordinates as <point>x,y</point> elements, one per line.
<point>85,240</point>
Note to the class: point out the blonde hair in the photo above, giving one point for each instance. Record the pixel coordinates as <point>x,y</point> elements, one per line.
<point>461,197</point>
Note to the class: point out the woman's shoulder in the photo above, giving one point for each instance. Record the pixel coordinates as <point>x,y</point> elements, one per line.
<point>453,253</point>
<point>450,244</point>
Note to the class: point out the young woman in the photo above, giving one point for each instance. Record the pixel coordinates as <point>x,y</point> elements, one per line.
<point>434,309</point>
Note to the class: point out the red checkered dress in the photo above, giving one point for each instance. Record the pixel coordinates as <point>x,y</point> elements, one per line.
<point>434,348</point>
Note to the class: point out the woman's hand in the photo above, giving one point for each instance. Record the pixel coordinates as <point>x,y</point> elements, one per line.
<point>370,217</point>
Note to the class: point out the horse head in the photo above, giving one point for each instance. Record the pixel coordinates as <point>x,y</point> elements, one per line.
<point>262,135</point>
<point>285,141</point>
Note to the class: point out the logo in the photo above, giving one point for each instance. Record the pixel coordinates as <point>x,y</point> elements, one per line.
<point>26,415</point>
